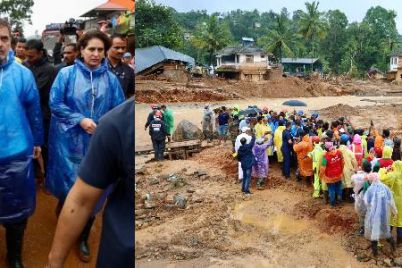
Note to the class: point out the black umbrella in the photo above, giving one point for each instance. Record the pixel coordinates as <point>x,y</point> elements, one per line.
<point>251,112</point>
<point>294,103</point>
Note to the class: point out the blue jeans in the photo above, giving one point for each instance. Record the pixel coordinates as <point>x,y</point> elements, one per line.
<point>333,190</point>
<point>246,180</point>
<point>223,130</point>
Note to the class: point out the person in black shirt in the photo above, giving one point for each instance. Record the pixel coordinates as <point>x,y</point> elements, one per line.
<point>124,73</point>
<point>158,133</point>
<point>109,161</point>
<point>70,53</point>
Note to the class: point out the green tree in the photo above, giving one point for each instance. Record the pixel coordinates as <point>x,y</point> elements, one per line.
<point>211,36</point>
<point>280,40</point>
<point>156,25</point>
<point>312,27</point>
<point>18,11</point>
<point>333,46</point>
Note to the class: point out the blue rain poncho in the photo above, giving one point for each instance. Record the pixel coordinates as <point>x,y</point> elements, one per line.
<point>21,129</point>
<point>379,203</point>
<point>77,93</point>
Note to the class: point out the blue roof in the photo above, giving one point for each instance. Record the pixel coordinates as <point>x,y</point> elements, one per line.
<point>300,60</point>
<point>149,56</point>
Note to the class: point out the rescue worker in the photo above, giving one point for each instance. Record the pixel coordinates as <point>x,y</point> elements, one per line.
<point>349,167</point>
<point>278,140</point>
<point>304,162</point>
<point>158,133</point>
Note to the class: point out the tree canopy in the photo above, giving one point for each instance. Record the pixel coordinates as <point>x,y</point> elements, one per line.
<point>342,46</point>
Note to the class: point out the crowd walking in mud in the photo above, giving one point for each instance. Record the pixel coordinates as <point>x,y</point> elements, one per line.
<point>49,116</point>
<point>343,163</point>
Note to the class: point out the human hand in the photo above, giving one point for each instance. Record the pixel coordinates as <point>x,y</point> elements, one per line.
<point>88,125</point>
<point>36,152</point>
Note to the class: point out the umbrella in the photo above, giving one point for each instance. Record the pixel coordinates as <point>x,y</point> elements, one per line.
<point>294,103</point>
<point>250,112</point>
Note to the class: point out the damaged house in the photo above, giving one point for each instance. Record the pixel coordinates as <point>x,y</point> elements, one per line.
<point>395,67</point>
<point>244,62</point>
<point>162,61</point>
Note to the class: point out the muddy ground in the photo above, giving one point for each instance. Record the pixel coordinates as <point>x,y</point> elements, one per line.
<point>280,226</point>
<point>39,237</point>
<point>156,91</point>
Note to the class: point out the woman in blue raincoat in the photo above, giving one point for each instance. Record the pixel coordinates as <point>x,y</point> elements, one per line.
<point>81,94</point>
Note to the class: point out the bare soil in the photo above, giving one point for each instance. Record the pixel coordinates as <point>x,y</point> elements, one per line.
<point>207,89</point>
<point>39,236</point>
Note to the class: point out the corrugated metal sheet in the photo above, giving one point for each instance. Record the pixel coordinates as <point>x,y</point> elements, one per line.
<point>149,56</point>
<point>239,49</point>
<point>299,60</point>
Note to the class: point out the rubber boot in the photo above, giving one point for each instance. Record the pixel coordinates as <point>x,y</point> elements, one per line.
<point>14,241</point>
<point>374,248</point>
<point>84,252</point>
<point>391,241</point>
<point>326,197</point>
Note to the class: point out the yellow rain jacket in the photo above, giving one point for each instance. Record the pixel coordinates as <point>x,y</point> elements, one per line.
<point>349,166</point>
<point>316,157</point>
<point>278,142</point>
<point>260,130</point>
<point>364,145</point>
<point>393,180</point>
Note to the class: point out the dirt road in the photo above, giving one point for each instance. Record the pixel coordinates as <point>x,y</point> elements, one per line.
<point>39,236</point>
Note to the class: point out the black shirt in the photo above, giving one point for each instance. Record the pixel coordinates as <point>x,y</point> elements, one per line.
<point>110,161</point>
<point>125,74</point>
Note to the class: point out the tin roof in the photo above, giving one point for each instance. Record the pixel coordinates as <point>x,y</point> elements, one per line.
<point>149,56</point>
<point>300,60</point>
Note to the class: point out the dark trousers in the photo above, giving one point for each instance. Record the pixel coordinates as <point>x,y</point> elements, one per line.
<point>287,157</point>
<point>333,190</point>
<point>398,232</point>
<point>15,238</point>
<point>245,187</point>
<point>159,149</point>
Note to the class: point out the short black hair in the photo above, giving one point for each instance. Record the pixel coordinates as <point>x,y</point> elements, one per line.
<point>118,35</point>
<point>34,44</point>
<point>288,124</point>
<point>163,106</point>
<point>21,40</point>
<point>73,45</point>
<point>366,166</point>
<point>243,141</point>
<point>83,41</point>
<point>386,133</point>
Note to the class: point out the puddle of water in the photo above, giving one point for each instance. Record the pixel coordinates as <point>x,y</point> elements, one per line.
<point>276,224</point>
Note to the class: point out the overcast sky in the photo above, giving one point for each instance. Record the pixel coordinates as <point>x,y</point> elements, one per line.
<point>355,10</point>
<point>57,11</point>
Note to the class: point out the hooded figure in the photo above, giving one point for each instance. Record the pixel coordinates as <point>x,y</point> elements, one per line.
<point>396,151</point>
<point>393,180</point>
<point>238,144</point>
<point>316,157</point>
<point>386,160</point>
<point>357,149</point>
<point>77,93</point>
<point>278,142</point>
<point>21,129</point>
<point>262,163</point>
<point>350,165</point>
<point>304,162</point>
<point>380,203</point>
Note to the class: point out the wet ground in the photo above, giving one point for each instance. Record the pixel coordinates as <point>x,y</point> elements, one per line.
<point>39,237</point>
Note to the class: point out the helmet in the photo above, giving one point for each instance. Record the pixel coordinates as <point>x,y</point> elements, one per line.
<point>344,137</point>
<point>158,114</point>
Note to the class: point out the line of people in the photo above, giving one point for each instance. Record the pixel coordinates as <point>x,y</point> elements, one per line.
<point>50,114</point>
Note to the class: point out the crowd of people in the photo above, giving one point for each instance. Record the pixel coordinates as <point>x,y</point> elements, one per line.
<point>343,163</point>
<point>50,112</point>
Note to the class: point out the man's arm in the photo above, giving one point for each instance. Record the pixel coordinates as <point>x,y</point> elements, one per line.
<point>79,205</point>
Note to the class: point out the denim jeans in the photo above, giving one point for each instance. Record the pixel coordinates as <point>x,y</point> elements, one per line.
<point>333,190</point>
<point>246,180</point>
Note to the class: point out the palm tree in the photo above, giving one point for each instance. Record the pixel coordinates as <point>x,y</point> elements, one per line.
<point>211,36</point>
<point>312,26</point>
<point>280,40</point>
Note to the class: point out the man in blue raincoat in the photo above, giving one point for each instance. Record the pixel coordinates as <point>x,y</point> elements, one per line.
<point>21,135</point>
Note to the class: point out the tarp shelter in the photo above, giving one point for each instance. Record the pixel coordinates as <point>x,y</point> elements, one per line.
<point>148,57</point>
